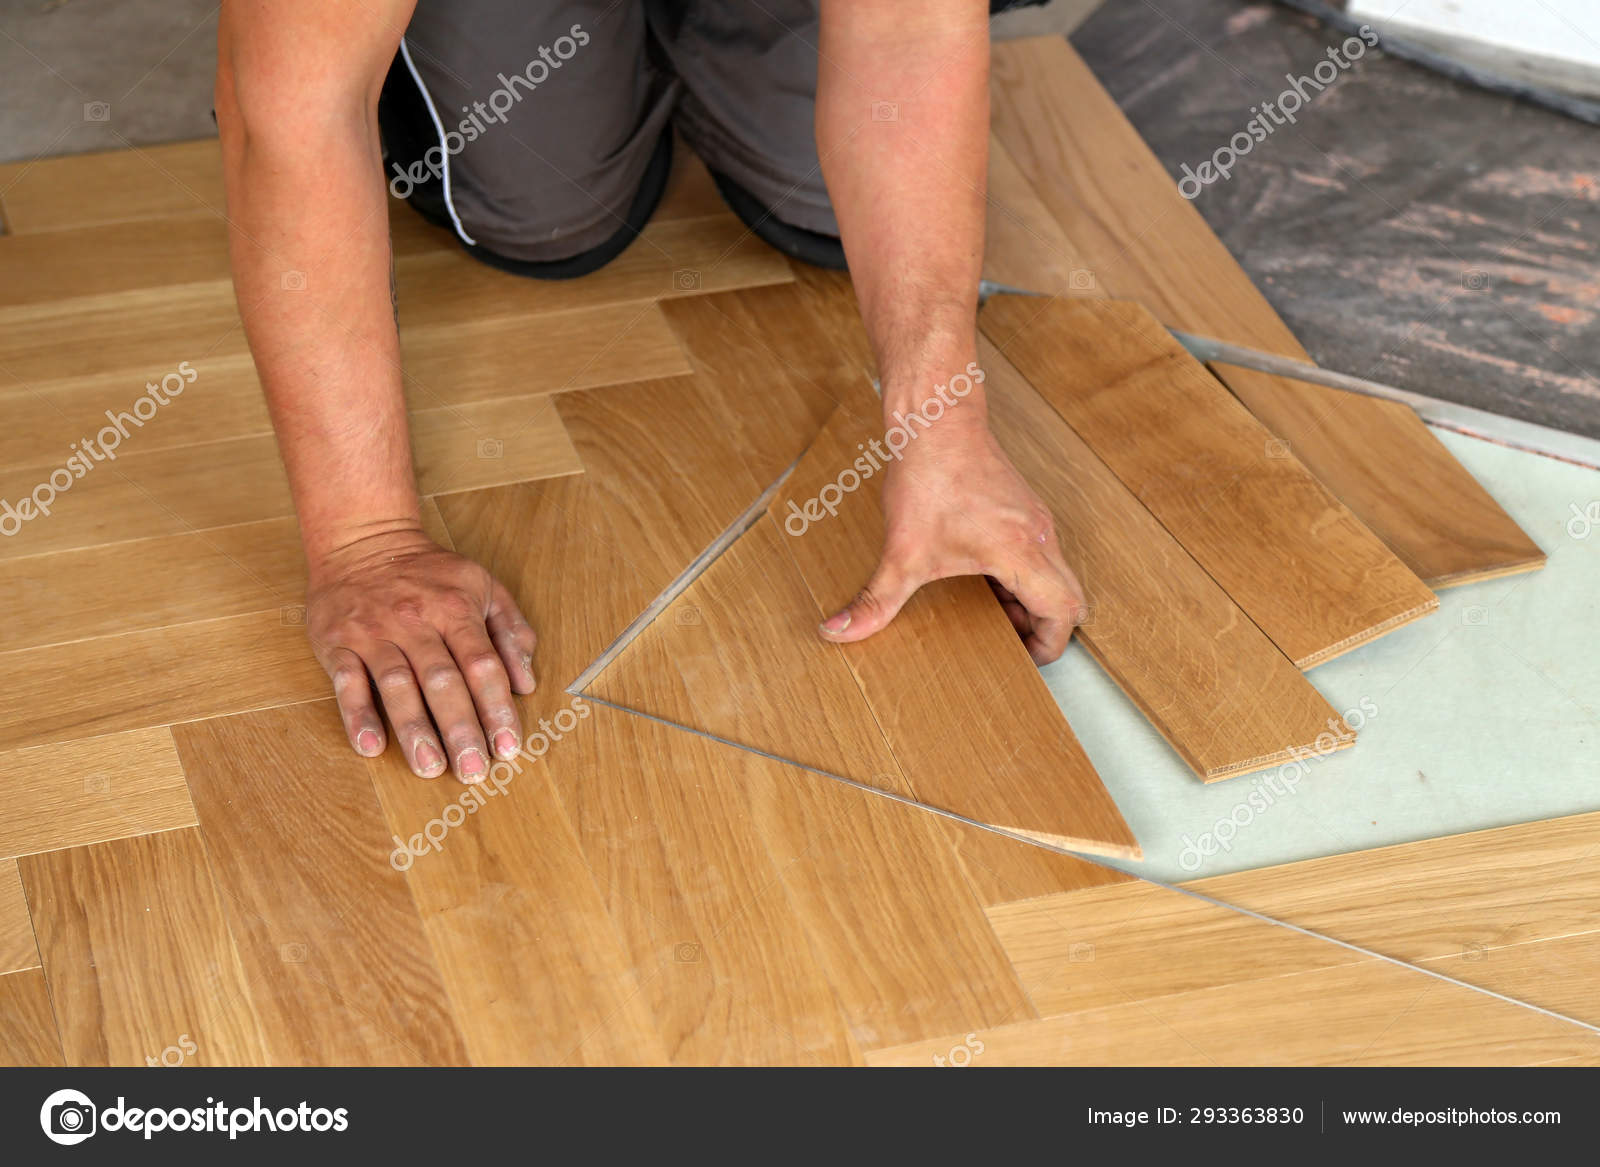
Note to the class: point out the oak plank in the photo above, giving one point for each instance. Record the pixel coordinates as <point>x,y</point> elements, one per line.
<point>1222,694</point>
<point>328,935</point>
<point>443,366</point>
<point>1365,1014</point>
<point>138,954</point>
<point>27,1023</point>
<point>1141,239</point>
<point>157,676</point>
<point>92,790</point>
<point>169,491</point>
<point>951,637</point>
<point>1293,557</point>
<point>17,948</point>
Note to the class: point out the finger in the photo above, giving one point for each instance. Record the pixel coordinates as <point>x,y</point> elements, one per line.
<point>363,724</point>
<point>402,701</point>
<point>489,686</point>
<point>1053,606</point>
<point>513,638</point>
<point>450,703</point>
<point>875,605</point>
<point>1009,604</point>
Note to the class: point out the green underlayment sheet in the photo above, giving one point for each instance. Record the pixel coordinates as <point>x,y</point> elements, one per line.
<point>1483,714</point>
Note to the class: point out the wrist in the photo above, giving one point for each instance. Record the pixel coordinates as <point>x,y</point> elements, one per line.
<point>336,547</point>
<point>949,394</point>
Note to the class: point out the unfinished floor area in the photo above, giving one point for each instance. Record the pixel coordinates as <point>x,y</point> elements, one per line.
<point>196,869</point>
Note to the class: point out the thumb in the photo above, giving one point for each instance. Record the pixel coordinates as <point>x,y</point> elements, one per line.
<point>874,606</point>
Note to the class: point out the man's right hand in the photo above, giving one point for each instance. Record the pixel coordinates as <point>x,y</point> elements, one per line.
<point>442,641</point>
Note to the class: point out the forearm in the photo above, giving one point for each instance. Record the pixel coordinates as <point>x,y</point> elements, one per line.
<point>309,242</point>
<point>909,190</point>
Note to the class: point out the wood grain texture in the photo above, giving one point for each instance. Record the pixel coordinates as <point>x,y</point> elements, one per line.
<point>92,790</point>
<point>17,949</point>
<point>1294,559</point>
<point>157,181</point>
<point>1024,245</point>
<point>203,669</point>
<point>1219,691</point>
<point>450,366</point>
<point>136,946</point>
<point>1143,240</point>
<point>169,491</point>
<point>1024,773</point>
<point>695,666</point>
<point>1365,1014</point>
<point>325,926</point>
<point>724,968</point>
<point>27,1024</point>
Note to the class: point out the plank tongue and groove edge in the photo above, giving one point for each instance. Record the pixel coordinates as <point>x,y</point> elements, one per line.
<point>1138,238</point>
<point>1219,691</point>
<point>1293,557</point>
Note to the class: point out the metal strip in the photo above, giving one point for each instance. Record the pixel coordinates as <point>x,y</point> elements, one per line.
<point>1099,862</point>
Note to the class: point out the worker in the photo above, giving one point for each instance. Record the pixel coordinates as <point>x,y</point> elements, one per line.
<point>540,133</point>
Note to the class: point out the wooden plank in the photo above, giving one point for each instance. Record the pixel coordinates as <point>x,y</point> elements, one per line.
<point>27,1023</point>
<point>1294,559</point>
<point>695,666</point>
<point>169,491</point>
<point>1471,893</point>
<point>156,677</point>
<point>89,791</point>
<point>17,947</point>
<point>1143,240</point>
<point>1219,691</point>
<point>445,366</point>
<point>1025,773</point>
<point>147,182</point>
<point>1365,1014</point>
<point>138,954</point>
<point>328,935</point>
<point>1024,245</point>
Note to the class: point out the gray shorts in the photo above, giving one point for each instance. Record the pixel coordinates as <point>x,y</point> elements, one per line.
<point>529,126</point>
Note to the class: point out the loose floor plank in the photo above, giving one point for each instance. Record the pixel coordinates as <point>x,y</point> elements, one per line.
<point>92,790</point>
<point>325,926</point>
<point>17,948</point>
<point>1024,772</point>
<point>1218,690</point>
<point>1142,240</point>
<point>27,1024</point>
<point>1365,1014</point>
<point>1294,559</point>
<point>1023,245</point>
<point>159,676</point>
<point>138,953</point>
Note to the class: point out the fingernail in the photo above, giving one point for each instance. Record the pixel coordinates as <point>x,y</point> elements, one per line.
<point>367,743</point>
<point>837,623</point>
<point>472,765</point>
<point>429,760</point>
<point>505,744</point>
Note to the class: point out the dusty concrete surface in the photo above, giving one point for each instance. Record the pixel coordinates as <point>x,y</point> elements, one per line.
<point>1408,228</point>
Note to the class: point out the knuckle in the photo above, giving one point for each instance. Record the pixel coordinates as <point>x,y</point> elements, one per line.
<point>482,667</point>
<point>396,679</point>
<point>349,680</point>
<point>440,678</point>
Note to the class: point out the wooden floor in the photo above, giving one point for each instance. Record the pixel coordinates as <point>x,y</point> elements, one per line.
<point>195,867</point>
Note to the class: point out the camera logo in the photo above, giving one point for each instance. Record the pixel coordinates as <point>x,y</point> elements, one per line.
<point>67,1117</point>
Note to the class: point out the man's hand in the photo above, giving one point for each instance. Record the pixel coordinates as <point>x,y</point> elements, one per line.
<point>437,635</point>
<point>955,505</point>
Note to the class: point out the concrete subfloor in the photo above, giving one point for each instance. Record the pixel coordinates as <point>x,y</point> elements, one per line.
<point>1407,228</point>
